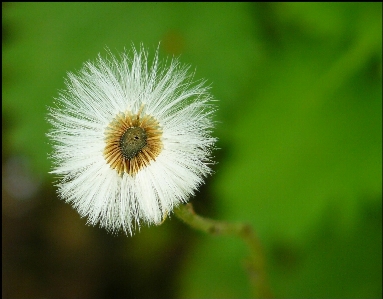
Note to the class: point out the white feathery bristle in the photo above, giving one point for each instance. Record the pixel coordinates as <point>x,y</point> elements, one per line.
<point>93,98</point>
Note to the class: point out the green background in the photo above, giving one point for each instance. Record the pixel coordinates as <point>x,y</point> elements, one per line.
<point>299,122</point>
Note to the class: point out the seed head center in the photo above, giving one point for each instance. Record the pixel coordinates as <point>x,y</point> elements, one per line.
<point>132,142</point>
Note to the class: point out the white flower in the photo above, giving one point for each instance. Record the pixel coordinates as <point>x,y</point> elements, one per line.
<point>131,139</point>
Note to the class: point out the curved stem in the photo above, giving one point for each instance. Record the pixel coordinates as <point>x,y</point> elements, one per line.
<point>256,263</point>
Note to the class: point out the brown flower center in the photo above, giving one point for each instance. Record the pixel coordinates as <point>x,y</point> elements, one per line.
<point>132,141</point>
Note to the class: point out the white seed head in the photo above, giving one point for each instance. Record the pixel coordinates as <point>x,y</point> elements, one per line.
<point>131,139</point>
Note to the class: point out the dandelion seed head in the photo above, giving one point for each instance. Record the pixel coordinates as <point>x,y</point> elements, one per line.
<point>131,139</point>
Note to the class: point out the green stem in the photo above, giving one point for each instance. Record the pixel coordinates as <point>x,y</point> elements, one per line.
<point>256,263</point>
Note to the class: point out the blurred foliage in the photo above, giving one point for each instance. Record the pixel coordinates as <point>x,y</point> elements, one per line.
<point>300,127</point>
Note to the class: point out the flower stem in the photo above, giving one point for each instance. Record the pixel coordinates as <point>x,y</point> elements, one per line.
<point>256,262</point>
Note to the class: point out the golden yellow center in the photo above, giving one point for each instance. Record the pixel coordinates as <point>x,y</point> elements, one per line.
<point>132,141</point>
